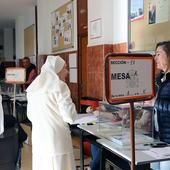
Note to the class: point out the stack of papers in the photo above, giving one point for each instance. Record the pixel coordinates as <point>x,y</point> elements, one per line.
<point>85,118</point>
<point>159,153</point>
<point>124,139</point>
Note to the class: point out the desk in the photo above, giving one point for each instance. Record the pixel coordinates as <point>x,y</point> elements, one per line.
<point>112,151</point>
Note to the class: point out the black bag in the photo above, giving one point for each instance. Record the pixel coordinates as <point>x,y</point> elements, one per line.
<point>9,122</point>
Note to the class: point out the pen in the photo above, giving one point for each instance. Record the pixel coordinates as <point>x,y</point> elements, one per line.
<point>90,123</point>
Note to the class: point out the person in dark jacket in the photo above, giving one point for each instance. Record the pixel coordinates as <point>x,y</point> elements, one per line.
<point>31,72</point>
<point>162,101</point>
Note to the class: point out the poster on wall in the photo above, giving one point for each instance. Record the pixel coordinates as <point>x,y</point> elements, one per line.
<point>96,28</point>
<point>158,11</point>
<point>136,10</point>
<point>62,27</point>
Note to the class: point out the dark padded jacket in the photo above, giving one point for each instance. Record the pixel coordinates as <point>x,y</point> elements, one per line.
<point>162,106</point>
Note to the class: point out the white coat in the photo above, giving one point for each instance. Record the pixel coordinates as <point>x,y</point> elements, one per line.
<point>1,117</point>
<point>49,108</point>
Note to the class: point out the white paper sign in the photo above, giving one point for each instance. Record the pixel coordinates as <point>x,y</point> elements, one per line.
<point>72,60</point>
<point>96,28</point>
<point>15,75</point>
<point>73,75</point>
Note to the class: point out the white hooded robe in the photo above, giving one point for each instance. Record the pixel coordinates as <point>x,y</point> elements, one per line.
<point>49,108</point>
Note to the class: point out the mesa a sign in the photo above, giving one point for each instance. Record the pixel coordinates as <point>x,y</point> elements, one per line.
<point>129,77</point>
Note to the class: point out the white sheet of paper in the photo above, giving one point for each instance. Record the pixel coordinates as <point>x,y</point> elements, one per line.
<point>72,60</point>
<point>163,152</point>
<point>85,118</point>
<point>73,75</point>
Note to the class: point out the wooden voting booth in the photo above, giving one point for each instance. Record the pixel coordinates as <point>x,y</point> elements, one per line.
<point>129,78</point>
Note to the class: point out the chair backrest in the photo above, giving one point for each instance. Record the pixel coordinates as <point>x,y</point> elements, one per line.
<point>85,103</point>
<point>9,149</point>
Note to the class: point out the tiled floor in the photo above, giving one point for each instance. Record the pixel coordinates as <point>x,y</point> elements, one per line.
<point>26,161</point>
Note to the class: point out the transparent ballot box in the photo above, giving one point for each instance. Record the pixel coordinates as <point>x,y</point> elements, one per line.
<point>114,120</point>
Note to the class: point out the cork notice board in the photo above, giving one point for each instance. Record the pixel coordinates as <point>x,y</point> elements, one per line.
<point>62,27</point>
<point>150,23</point>
<point>29,40</point>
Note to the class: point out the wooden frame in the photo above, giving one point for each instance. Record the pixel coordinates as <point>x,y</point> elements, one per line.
<point>62,27</point>
<point>129,77</point>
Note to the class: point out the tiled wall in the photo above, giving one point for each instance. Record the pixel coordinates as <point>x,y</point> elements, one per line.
<point>95,59</point>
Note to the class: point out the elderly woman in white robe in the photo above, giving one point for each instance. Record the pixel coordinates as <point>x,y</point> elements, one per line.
<point>49,109</point>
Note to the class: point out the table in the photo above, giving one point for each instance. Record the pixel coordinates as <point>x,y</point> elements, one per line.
<point>119,155</point>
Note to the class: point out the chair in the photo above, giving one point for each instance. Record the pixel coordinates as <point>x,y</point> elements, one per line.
<point>9,149</point>
<point>7,105</point>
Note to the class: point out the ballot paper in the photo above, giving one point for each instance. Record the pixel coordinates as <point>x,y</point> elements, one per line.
<point>159,153</point>
<point>85,118</point>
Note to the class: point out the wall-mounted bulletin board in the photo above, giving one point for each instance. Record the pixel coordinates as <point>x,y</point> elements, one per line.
<point>62,27</point>
<point>149,23</point>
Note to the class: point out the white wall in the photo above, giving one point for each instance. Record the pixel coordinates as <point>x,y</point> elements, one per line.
<point>44,24</point>
<point>21,23</point>
<point>113,14</point>
<point>19,34</point>
<point>120,21</point>
<point>8,44</point>
<point>94,12</point>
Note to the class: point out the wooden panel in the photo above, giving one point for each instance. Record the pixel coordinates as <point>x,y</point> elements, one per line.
<point>84,65</point>
<point>82,16</point>
<point>29,41</point>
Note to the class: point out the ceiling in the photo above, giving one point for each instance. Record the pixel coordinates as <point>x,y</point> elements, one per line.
<point>11,9</point>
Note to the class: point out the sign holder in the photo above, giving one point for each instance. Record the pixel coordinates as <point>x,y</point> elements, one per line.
<point>15,75</point>
<point>129,77</point>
